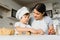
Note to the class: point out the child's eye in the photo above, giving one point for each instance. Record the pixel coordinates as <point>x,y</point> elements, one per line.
<point>25,17</point>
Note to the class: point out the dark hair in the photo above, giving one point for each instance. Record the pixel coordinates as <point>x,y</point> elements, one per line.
<point>27,14</point>
<point>40,7</point>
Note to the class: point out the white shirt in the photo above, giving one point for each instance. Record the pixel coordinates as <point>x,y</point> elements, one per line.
<point>19,24</point>
<point>42,24</point>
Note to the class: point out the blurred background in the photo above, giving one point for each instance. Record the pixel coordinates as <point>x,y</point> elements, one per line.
<point>8,9</point>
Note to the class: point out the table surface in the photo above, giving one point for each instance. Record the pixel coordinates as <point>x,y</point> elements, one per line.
<point>30,37</point>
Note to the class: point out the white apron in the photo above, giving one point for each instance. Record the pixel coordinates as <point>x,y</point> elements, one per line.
<point>40,24</point>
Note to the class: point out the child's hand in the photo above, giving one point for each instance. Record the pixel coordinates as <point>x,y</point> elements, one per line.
<point>19,33</point>
<point>28,33</point>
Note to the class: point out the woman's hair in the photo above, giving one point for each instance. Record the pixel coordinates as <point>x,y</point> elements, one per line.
<point>40,7</point>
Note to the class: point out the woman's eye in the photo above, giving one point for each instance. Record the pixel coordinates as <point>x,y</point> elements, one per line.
<point>36,13</point>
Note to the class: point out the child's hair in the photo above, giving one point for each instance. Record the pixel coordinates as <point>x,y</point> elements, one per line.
<point>27,14</point>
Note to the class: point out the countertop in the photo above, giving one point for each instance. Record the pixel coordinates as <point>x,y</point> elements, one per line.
<point>30,37</point>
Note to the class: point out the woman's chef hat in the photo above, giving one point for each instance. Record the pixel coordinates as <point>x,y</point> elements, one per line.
<point>21,12</point>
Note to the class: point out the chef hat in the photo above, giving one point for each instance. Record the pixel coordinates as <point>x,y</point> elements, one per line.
<point>21,12</point>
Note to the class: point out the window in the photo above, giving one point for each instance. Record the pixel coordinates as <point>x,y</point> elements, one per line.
<point>13,13</point>
<point>49,13</point>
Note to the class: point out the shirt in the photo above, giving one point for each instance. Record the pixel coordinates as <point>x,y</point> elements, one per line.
<point>42,24</point>
<point>19,24</point>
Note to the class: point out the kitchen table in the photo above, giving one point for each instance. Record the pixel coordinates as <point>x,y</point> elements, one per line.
<point>30,37</point>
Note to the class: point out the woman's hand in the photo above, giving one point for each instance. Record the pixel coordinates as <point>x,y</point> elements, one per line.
<point>41,32</point>
<point>33,31</point>
<point>51,30</point>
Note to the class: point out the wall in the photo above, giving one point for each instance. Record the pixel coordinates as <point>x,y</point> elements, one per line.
<point>10,3</point>
<point>48,6</point>
<point>5,22</point>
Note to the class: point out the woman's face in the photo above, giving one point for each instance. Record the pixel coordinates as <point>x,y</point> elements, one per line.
<point>25,19</point>
<point>37,15</point>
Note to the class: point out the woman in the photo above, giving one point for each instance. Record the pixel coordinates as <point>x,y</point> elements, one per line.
<point>42,23</point>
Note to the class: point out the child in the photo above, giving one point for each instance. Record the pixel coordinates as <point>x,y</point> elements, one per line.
<point>22,26</point>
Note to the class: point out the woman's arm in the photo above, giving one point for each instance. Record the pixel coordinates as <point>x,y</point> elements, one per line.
<point>33,31</point>
<point>41,32</point>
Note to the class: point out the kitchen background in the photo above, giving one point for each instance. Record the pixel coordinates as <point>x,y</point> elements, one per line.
<point>8,10</point>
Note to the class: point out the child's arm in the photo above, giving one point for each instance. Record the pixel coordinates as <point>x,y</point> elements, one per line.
<point>21,29</point>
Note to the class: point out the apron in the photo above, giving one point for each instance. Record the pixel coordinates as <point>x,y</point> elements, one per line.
<point>40,24</point>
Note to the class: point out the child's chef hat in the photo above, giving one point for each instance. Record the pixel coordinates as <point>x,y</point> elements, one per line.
<point>21,12</point>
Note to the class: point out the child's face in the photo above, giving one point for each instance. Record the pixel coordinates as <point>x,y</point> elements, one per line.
<point>25,19</point>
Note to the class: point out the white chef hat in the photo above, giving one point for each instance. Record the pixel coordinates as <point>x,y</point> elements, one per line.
<point>21,12</point>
